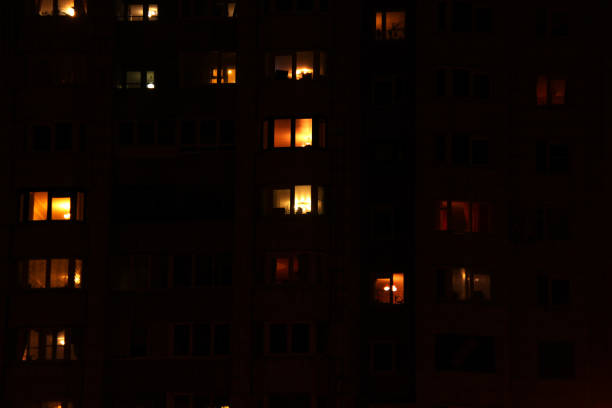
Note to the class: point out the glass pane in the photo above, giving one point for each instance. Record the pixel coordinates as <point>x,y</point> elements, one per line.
<point>303,132</point>
<point>153,10</point>
<point>228,63</point>
<point>33,344</point>
<point>38,206</point>
<point>460,215</point>
<point>304,68</point>
<point>135,12</point>
<point>78,272</point>
<point>320,200</point>
<point>322,133</point>
<point>398,288</point>
<point>281,271</point>
<point>60,208</point>
<point>282,133</point>
<point>442,216</point>
<point>283,67</point>
<point>60,345</point>
<point>65,7</point>
<point>150,79</point>
<point>379,26</point>
<point>302,200</point>
<point>395,25</point>
<point>231,9</point>
<point>45,8</point>
<point>542,90</point>
<point>458,283</point>
<point>382,290</point>
<point>37,272</point>
<point>482,287</point>
<point>322,64</point>
<point>133,79</point>
<point>80,206</point>
<point>281,201</point>
<point>557,91</point>
<point>48,346</point>
<point>59,273</point>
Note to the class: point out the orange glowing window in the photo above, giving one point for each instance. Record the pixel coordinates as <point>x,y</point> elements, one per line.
<point>297,200</point>
<point>442,216</point>
<point>305,65</point>
<point>59,273</point>
<point>550,91</point>
<point>389,290</point>
<point>39,202</point>
<point>460,216</point>
<point>281,271</point>
<point>60,8</point>
<point>463,216</point>
<point>49,344</point>
<point>298,65</point>
<point>135,12</point>
<point>303,132</point>
<point>282,133</point>
<point>51,273</point>
<point>390,25</point>
<point>60,208</point>
<point>283,67</point>
<point>37,273</point>
<point>221,67</point>
<point>64,207</point>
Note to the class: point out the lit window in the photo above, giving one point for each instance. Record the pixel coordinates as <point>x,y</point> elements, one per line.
<point>389,290</point>
<point>390,25</point>
<point>136,80</point>
<point>67,8</point>
<point>296,200</point>
<point>51,273</point>
<point>57,404</point>
<point>221,67</point>
<point>142,11</point>
<point>461,284</point>
<point>550,91</point>
<point>49,344</point>
<point>300,65</point>
<point>63,207</point>
<point>299,132</point>
<point>464,216</point>
<point>224,8</point>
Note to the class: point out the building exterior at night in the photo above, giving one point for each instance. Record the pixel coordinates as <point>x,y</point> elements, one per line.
<point>305,203</point>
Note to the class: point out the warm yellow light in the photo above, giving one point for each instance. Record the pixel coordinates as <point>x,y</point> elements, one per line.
<point>77,279</point>
<point>300,72</point>
<point>70,11</point>
<point>386,288</point>
<point>67,216</point>
<point>303,202</point>
<point>394,288</point>
<point>229,71</point>
<point>60,208</point>
<point>152,10</point>
<point>61,339</point>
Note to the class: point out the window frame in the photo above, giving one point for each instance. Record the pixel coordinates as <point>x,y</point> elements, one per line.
<point>447,73</point>
<point>442,276</point>
<point>445,19</point>
<point>319,133</point>
<point>121,10</point>
<point>384,34</point>
<point>319,60</point>
<point>309,274</point>
<point>549,78</point>
<point>469,222</point>
<point>448,138</point>
<point>122,84</point>
<point>213,325</point>
<point>79,7</point>
<point>268,210</point>
<point>289,326</point>
<point>389,275</point>
<point>76,139</point>
<point>77,203</point>
<point>23,273</point>
<point>70,344</point>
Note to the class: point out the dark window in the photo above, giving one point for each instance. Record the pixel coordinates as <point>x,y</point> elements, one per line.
<point>559,292</point>
<point>208,132</point>
<point>201,339</point>
<point>159,272</point>
<point>556,360</point>
<point>481,86</point>
<point>461,83</point>
<point>188,132</point>
<point>63,136</point>
<point>383,92</point>
<point>165,132</point>
<point>442,16</point>
<point>182,271</point>
<point>541,156</point>
<point>484,20</point>
<point>462,17</point>
<point>465,353</point>
<point>146,133</point>
<point>300,338</point>
<point>223,269</point>
<point>138,341</point>
<point>460,149</point>
<point>126,133</point>
<point>227,132</point>
<point>182,333</point>
<point>305,5</point>
<point>441,82</point>
<point>558,224</point>
<point>278,338</point>
<point>204,270</point>
<point>559,158</point>
<point>559,23</point>
<point>541,22</point>
<point>440,148</point>
<point>41,138</point>
<point>222,339</point>
<point>382,356</point>
<point>480,152</point>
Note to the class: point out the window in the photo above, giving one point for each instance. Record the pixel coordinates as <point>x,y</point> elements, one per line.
<point>455,352</point>
<point>556,360</point>
<point>294,132</point>
<point>550,90</point>
<point>390,25</point>
<point>463,216</point>
<point>292,268</point>
<point>54,404</point>
<point>553,292</point>
<point>224,8</point>
<point>461,149</point>
<point>139,341</point>
<point>65,8</point>
<point>51,273</point>
<point>52,206</point>
<point>58,137</point>
<point>201,270</point>
<point>203,69</point>
<point>462,83</point>
<point>298,65</point>
<point>552,157</point>
<point>198,401</point>
<point>147,132</point>
<point>552,224</point>
<point>136,80</point>
<point>50,344</point>
<point>390,289</point>
<point>137,11</point>
<point>207,134</point>
<point>289,338</point>
<point>464,17</point>
<point>462,284</point>
<point>201,339</point>
<point>295,200</point>
<point>553,23</point>
<point>389,356</point>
